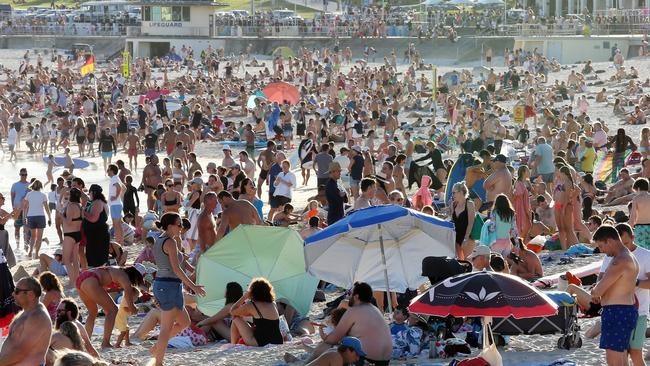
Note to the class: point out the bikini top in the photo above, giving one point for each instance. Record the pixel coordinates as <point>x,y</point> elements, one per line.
<point>75,219</point>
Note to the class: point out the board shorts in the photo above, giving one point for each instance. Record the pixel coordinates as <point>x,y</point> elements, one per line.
<point>169,148</point>
<point>169,293</point>
<point>132,152</point>
<point>107,154</point>
<point>529,112</point>
<point>638,334</point>
<point>618,322</point>
<point>642,235</point>
<point>116,211</point>
<point>263,174</point>
<point>149,152</point>
<point>36,222</point>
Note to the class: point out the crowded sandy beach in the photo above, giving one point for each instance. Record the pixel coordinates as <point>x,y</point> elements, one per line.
<point>322,208</point>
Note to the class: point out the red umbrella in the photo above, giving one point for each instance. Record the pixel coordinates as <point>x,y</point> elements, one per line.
<point>282,92</point>
<point>484,294</point>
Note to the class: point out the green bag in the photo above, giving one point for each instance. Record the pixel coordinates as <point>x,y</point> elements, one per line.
<point>475,234</point>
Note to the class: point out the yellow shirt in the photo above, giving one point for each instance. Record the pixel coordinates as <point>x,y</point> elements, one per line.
<point>588,160</point>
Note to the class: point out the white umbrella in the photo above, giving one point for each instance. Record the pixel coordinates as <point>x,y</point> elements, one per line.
<point>381,245</point>
<point>489,2</point>
<point>461,2</point>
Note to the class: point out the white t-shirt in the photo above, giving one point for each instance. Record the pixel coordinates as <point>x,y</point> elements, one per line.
<point>12,136</point>
<point>112,191</point>
<point>642,256</point>
<point>282,189</point>
<point>344,161</point>
<point>36,200</point>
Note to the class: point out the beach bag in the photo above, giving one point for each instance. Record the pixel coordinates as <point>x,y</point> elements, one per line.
<point>477,227</point>
<point>490,353</point>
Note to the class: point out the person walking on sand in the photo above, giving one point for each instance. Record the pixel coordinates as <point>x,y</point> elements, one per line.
<point>640,212</point>
<point>207,228</point>
<point>30,332</point>
<point>168,285</point>
<point>115,194</point>
<point>615,292</point>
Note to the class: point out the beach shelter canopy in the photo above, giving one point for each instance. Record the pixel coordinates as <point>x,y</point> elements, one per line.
<point>281,92</point>
<point>284,51</point>
<point>274,253</point>
<point>251,100</point>
<point>489,3</point>
<point>381,245</point>
<point>461,2</point>
<point>484,294</point>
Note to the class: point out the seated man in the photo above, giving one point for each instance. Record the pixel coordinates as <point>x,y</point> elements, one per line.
<point>54,265</point>
<point>528,267</point>
<point>621,192</point>
<point>349,352</point>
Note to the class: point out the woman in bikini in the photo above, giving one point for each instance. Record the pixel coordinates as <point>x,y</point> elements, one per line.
<point>72,218</point>
<point>563,192</point>
<point>53,292</point>
<point>93,285</point>
<point>170,199</point>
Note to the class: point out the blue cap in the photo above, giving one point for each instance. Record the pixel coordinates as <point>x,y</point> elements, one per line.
<point>354,343</point>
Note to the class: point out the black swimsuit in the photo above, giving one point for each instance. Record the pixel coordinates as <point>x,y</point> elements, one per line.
<point>75,235</point>
<point>266,331</point>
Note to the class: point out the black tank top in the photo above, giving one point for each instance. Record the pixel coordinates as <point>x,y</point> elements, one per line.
<point>460,222</point>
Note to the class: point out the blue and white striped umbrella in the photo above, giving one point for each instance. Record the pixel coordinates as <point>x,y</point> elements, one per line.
<point>381,245</point>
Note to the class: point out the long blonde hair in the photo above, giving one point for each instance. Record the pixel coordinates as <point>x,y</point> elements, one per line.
<point>69,329</point>
<point>76,358</point>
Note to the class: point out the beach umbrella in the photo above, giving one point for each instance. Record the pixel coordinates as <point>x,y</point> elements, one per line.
<point>284,51</point>
<point>381,245</point>
<point>251,100</point>
<point>432,2</point>
<point>281,92</point>
<point>484,293</point>
<point>250,251</point>
<point>461,2</point>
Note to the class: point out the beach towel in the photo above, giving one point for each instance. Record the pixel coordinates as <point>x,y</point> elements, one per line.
<point>422,196</point>
<point>488,233</point>
<point>579,249</point>
<point>195,334</point>
<point>407,343</point>
<point>180,342</point>
<point>608,165</point>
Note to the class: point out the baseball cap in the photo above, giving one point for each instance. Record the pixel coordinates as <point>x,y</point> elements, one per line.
<point>354,343</point>
<point>198,181</point>
<point>356,148</point>
<point>479,250</point>
<point>211,166</point>
<point>500,158</point>
<point>58,252</point>
<point>226,147</point>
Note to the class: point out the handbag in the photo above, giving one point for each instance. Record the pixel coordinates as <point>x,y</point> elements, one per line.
<point>490,352</point>
<point>475,234</point>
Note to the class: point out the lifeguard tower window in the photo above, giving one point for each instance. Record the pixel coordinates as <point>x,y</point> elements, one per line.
<point>606,45</point>
<point>159,49</point>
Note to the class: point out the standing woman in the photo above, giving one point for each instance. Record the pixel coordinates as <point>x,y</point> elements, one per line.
<point>398,173</point>
<point>170,199</point>
<point>463,215</point>
<point>80,135</point>
<point>562,196</point>
<point>72,218</point>
<point>193,208</point>
<point>247,192</point>
<point>503,217</point>
<point>95,227</point>
<point>36,206</point>
<point>91,133</point>
<point>168,285</point>
<point>644,144</point>
<point>523,213</point>
<point>178,174</point>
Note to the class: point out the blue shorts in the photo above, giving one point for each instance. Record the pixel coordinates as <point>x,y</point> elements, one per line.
<point>618,322</point>
<point>36,222</point>
<point>169,293</point>
<point>149,152</point>
<point>116,211</point>
<point>107,154</point>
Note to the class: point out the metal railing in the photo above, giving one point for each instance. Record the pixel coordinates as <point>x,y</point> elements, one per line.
<point>75,29</point>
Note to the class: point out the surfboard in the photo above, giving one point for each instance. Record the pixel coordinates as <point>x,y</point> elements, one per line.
<point>305,146</point>
<point>580,272</point>
<point>60,160</point>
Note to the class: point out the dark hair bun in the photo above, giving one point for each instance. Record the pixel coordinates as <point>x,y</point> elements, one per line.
<point>158,224</point>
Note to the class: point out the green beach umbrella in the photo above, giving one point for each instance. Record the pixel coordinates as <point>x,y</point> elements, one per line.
<point>285,52</point>
<point>249,251</point>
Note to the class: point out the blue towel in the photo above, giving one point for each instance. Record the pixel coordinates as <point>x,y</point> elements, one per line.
<point>579,249</point>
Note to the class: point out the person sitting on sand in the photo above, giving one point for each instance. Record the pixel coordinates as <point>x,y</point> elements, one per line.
<point>53,264</point>
<point>68,311</point>
<point>66,337</point>
<point>220,322</point>
<point>298,325</point>
<point>620,190</point>
<point>77,358</point>
<point>364,321</point>
<point>528,267</point>
<point>348,352</point>
<point>258,303</point>
<point>53,292</point>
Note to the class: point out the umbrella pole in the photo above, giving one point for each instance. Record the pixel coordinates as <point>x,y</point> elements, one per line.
<point>383,260</point>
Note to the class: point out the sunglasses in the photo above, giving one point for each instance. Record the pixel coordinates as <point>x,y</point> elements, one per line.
<point>170,185</point>
<point>23,174</point>
<point>17,291</point>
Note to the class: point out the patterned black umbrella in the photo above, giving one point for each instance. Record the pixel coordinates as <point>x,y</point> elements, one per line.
<point>481,294</point>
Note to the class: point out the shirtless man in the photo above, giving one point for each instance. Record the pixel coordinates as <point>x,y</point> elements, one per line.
<point>264,162</point>
<point>169,140</point>
<point>615,292</point>
<point>206,225</point>
<point>409,148</point>
<point>529,267</point>
<point>193,165</point>
<point>640,213</point>
<point>367,196</point>
<point>530,106</point>
<point>618,193</point>
<point>364,321</point>
<point>151,177</point>
<point>227,162</point>
<point>134,145</point>
<point>186,137</point>
<point>30,332</point>
<point>235,213</point>
<point>387,183</point>
<point>348,352</point>
<point>179,152</point>
<point>247,164</point>
<point>68,311</point>
<point>500,181</point>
